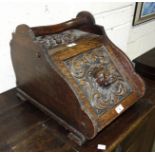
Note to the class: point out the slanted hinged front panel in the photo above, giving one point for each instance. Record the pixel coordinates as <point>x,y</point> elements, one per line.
<point>99,82</point>
<point>99,79</point>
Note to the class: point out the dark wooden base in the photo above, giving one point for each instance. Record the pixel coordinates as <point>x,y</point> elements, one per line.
<point>73,134</point>
<point>25,128</point>
<point>145,64</point>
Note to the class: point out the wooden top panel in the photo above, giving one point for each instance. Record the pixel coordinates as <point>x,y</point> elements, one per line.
<point>63,38</point>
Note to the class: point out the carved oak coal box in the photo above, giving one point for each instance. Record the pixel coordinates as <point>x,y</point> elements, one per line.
<point>73,72</point>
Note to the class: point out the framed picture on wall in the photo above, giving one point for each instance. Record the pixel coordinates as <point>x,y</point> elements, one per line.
<point>144,11</point>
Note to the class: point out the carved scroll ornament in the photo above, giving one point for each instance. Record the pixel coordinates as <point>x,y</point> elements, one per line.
<point>66,37</point>
<point>99,79</point>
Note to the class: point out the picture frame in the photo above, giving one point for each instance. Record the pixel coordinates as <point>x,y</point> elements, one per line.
<point>144,11</point>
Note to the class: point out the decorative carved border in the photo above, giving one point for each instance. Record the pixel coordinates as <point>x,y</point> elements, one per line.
<point>59,58</point>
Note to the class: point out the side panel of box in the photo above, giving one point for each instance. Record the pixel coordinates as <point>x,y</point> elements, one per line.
<point>36,77</point>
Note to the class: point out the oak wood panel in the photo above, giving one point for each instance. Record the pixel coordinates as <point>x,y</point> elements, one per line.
<point>5,101</point>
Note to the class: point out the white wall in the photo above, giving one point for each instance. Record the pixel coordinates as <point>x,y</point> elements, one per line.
<point>141,39</point>
<point>115,17</point>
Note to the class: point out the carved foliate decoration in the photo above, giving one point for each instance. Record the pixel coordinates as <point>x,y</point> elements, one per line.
<point>66,37</point>
<point>99,79</point>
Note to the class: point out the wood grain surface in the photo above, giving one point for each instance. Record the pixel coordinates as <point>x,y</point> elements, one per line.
<point>25,128</point>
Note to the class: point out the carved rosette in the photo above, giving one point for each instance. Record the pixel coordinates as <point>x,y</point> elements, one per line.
<point>99,79</point>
